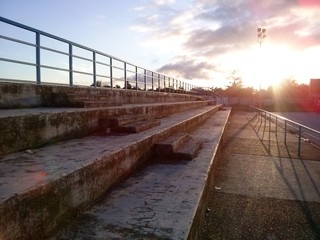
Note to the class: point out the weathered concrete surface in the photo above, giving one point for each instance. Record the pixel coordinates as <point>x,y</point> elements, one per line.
<point>26,95</point>
<point>22,129</point>
<point>40,190</point>
<point>263,190</point>
<point>162,201</point>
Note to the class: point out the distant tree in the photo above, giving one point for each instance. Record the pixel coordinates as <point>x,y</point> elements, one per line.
<point>235,87</point>
<point>235,80</point>
<point>127,85</point>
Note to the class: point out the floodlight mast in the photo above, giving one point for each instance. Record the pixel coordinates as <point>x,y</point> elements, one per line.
<point>261,35</point>
<point>260,39</point>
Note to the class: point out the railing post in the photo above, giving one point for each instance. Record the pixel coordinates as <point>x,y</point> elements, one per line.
<point>125,75</point>
<point>285,132</point>
<point>111,73</point>
<point>94,69</point>
<point>276,130</point>
<point>269,126</point>
<point>299,142</point>
<point>70,65</point>
<point>38,62</point>
<point>136,78</point>
<point>152,81</point>
<point>145,80</point>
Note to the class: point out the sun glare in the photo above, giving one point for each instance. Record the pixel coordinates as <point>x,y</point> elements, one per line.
<point>271,64</point>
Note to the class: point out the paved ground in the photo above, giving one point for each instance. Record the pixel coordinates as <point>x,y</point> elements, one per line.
<point>263,190</point>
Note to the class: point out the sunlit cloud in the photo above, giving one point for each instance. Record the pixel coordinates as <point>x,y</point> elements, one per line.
<point>188,69</point>
<point>208,39</point>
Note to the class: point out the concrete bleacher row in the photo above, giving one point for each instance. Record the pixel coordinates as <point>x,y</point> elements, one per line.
<point>56,160</point>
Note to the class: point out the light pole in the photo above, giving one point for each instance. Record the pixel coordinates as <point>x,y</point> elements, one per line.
<point>261,35</point>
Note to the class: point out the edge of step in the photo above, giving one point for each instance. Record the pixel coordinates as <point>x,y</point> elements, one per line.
<point>138,127</point>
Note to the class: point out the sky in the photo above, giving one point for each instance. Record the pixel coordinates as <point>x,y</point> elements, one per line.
<point>204,41</point>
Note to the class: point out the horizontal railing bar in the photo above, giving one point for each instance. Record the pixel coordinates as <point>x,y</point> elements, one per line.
<point>18,41</point>
<point>53,50</point>
<point>104,64</point>
<point>18,62</point>
<point>81,72</point>
<point>103,76</point>
<point>130,71</point>
<point>15,80</point>
<point>55,68</point>
<point>115,67</point>
<point>83,58</point>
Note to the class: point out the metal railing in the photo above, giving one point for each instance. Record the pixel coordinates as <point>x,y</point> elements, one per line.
<point>303,132</point>
<point>104,70</point>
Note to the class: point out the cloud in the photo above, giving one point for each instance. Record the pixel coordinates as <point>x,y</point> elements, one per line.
<point>188,69</point>
<point>199,33</point>
<point>164,2</point>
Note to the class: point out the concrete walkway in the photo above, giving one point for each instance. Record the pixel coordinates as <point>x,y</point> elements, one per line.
<point>263,190</point>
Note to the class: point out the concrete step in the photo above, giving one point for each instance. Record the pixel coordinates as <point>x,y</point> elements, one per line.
<point>43,189</point>
<point>82,98</point>
<point>189,150</point>
<point>114,122</point>
<point>97,103</point>
<point>22,129</point>
<point>169,145</point>
<point>177,147</point>
<point>138,127</point>
<point>161,201</point>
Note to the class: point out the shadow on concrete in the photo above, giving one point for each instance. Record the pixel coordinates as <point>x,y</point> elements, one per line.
<point>258,125</point>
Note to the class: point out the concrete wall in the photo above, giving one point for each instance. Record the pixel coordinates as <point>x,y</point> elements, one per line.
<point>18,95</point>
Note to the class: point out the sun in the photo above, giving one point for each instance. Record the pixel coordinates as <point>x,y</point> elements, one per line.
<point>268,66</point>
<point>271,64</point>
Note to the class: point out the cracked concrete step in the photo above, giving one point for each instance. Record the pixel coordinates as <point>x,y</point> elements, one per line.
<point>168,146</point>
<point>138,127</point>
<point>189,150</point>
